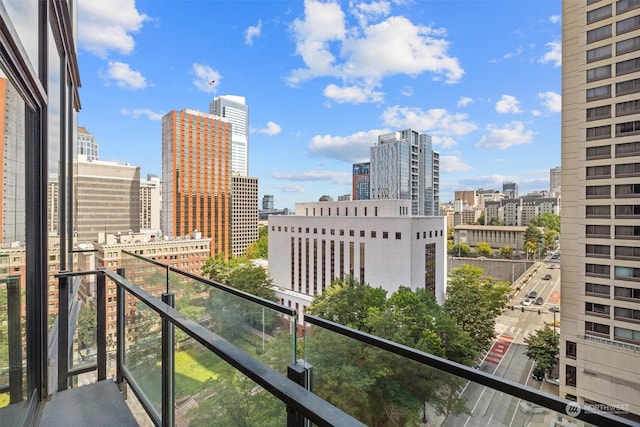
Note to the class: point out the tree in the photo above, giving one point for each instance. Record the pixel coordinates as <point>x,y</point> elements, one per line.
<point>461,249</point>
<point>533,239</point>
<point>484,249</point>
<point>496,221</point>
<point>550,237</point>
<point>469,287</point>
<point>481,219</point>
<point>548,220</point>
<point>506,251</point>
<point>260,248</point>
<point>543,347</point>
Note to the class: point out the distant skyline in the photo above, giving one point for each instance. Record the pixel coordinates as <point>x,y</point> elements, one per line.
<point>323,79</point>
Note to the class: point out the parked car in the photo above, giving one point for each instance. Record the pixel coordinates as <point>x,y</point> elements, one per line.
<point>539,301</point>
<point>526,302</point>
<point>530,408</point>
<point>532,294</point>
<point>554,309</point>
<point>547,277</point>
<point>537,374</point>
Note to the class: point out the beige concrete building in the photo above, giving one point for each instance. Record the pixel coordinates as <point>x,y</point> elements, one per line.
<point>600,333</point>
<point>497,236</point>
<point>244,213</point>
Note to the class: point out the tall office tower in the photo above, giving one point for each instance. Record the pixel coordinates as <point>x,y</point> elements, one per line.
<point>235,109</point>
<point>12,129</point>
<point>554,181</point>
<point>267,202</point>
<point>361,181</point>
<point>87,145</point>
<point>510,190</point>
<point>244,213</point>
<point>196,177</point>
<point>404,167</point>
<point>600,337</point>
<point>107,198</point>
<point>150,202</point>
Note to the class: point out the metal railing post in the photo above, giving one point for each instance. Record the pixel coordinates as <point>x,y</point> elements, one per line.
<point>300,373</point>
<point>63,331</point>
<point>14,338</point>
<point>121,324</point>
<point>168,365</point>
<point>101,325</point>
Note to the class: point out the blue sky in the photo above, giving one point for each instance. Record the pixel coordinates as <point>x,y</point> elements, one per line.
<point>323,78</point>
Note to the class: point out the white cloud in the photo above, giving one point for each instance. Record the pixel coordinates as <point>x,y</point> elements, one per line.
<point>136,113</point>
<point>352,94</point>
<point>442,125</point>
<point>551,100</point>
<point>105,26</point>
<point>554,55</point>
<point>124,76</point>
<point>291,188</point>
<point>555,19</point>
<point>464,101</point>
<point>204,76</point>
<point>252,32</point>
<point>508,104</point>
<point>338,178</point>
<point>330,48</point>
<point>351,149</point>
<point>453,164</point>
<point>509,135</point>
<point>272,129</point>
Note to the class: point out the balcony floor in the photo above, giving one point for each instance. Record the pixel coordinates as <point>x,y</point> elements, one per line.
<point>96,405</point>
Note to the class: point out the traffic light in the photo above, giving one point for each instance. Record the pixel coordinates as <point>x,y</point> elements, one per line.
<point>538,311</point>
<point>522,308</point>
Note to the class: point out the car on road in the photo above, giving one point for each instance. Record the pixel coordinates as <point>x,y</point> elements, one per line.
<point>537,374</point>
<point>554,309</point>
<point>547,277</point>
<point>532,294</point>
<point>539,301</point>
<point>530,408</point>
<point>526,302</point>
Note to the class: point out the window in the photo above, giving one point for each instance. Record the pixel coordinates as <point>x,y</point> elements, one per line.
<point>627,252</point>
<point>597,290</point>
<point>341,232</point>
<point>602,231</point>
<point>571,350</point>
<point>626,46</point>
<point>626,273</point>
<point>600,92</point>
<point>599,152</point>
<point>597,113</point>
<point>599,73</point>
<point>624,334</point>
<point>600,251</point>
<point>625,5</point>
<point>627,170</point>
<point>385,234</point>
<point>627,25</point>
<point>628,66</point>
<point>595,172</point>
<point>352,233</point>
<point>626,314</point>
<point>627,211</point>
<point>373,234</point>
<point>600,211</point>
<point>398,236</point>
<point>626,108</point>
<point>598,132</point>
<point>599,53</point>
<point>596,309</point>
<point>361,233</point>
<point>597,270</point>
<point>627,190</point>
<point>628,149</point>
<point>623,293</point>
<point>592,328</point>
<point>599,14</point>
<point>599,33</point>
<point>628,128</point>
<point>598,191</point>
<point>627,232</point>
<point>570,376</point>
<point>627,87</point>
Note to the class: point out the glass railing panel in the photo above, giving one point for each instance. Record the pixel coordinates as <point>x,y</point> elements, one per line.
<point>379,387</point>
<point>151,277</point>
<point>143,349</point>
<point>211,392</point>
<point>83,321</point>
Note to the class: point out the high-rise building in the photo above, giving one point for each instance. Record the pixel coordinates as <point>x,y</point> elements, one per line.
<point>554,181</point>
<point>510,190</point>
<point>267,202</point>
<point>404,167</point>
<point>150,203</point>
<point>196,177</point>
<point>244,213</point>
<point>107,198</point>
<point>600,334</point>
<point>87,145</point>
<point>468,196</point>
<point>361,181</point>
<point>235,109</point>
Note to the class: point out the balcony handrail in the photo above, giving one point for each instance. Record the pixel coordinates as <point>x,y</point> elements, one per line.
<point>495,382</point>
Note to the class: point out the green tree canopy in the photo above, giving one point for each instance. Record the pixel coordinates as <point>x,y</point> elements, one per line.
<point>506,251</point>
<point>260,248</point>
<point>548,220</point>
<point>461,249</point>
<point>543,348</point>
<point>484,249</point>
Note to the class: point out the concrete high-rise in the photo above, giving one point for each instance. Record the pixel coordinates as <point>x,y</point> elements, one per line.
<point>236,111</point>
<point>600,334</point>
<point>554,181</point>
<point>404,167</point>
<point>150,202</point>
<point>244,213</point>
<point>87,145</point>
<point>196,177</point>
<point>510,190</point>
<point>267,202</point>
<point>361,181</point>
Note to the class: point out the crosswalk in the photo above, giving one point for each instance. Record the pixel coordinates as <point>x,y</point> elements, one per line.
<point>512,331</point>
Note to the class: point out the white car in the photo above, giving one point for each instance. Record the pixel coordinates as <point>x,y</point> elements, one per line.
<point>526,302</point>
<point>530,408</point>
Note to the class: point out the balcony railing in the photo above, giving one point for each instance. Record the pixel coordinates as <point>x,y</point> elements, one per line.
<point>180,367</point>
